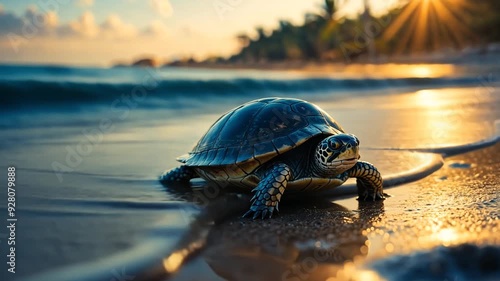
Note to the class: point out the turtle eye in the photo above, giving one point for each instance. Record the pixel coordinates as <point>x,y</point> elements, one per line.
<point>334,145</point>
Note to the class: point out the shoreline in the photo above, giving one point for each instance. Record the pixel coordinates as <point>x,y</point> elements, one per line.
<point>454,58</point>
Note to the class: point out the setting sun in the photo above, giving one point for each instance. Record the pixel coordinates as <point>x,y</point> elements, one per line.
<point>431,24</point>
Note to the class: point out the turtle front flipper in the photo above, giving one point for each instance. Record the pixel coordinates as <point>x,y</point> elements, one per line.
<point>368,180</point>
<point>269,191</point>
<point>179,175</point>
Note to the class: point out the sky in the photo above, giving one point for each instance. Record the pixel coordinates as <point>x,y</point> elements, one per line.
<point>103,32</point>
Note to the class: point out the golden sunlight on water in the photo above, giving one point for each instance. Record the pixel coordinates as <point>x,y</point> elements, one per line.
<point>386,71</point>
<point>428,98</point>
<point>447,236</point>
<point>392,70</point>
<point>422,71</point>
<point>444,113</point>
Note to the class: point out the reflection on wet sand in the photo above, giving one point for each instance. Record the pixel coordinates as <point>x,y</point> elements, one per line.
<point>309,240</point>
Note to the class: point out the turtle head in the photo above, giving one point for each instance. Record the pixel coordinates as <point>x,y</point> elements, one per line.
<point>337,154</point>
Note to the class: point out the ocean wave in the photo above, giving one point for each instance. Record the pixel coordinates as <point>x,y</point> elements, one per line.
<point>30,93</point>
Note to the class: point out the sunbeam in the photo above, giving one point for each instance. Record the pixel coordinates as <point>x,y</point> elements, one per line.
<point>427,25</point>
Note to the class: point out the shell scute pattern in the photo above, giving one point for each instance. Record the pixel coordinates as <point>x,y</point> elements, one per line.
<point>298,136</point>
<point>262,149</point>
<point>245,153</point>
<point>221,154</point>
<point>234,132</point>
<point>231,155</point>
<point>283,144</point>
<point>275,120</point>
<point>306,109</point>
<point>208,139</point>
<point>260,129</point>
<point>210,157</point>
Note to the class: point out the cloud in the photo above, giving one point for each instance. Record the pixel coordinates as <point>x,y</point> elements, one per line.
<point>156,28</point>
<point>85,3</point>
<point>46,21</point>
<point>162,7</point>
<point>39,24</point>
<point>31,24</point>
<point>9,23</point>
<point>114,27</point>
<point>85,26</point>
<point>188,31</point>
<point>42,37</point>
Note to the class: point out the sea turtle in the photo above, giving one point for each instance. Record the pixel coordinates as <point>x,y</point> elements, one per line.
<point>275,144</point>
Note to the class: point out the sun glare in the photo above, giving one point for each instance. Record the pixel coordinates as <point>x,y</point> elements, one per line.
<point>427,98</point>
<point>447,236</point>
<point>421,71</point>
<point>425,25</point>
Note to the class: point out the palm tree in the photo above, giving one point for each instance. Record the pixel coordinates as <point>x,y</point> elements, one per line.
<point>328,35</point>
<point>330,9</point>
<point>261,33</point>
<point>243,39</point>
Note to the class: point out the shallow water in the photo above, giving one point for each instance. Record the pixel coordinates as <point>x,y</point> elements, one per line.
<point>88,152</point>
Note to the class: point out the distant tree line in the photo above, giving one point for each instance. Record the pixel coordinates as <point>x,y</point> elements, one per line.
<point>404,29</point>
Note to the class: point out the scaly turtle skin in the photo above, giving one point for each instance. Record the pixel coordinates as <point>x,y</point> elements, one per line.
<point>275,144</point>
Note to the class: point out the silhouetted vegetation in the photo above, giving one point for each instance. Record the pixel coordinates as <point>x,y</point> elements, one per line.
<point>488,22</point>
<point>416,26</point>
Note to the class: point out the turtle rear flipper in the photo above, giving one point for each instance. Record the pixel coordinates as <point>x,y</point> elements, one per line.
<point>269,191</point>
<point>179,175</point>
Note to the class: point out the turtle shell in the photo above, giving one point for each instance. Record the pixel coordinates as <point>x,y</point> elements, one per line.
<point>260,129</point>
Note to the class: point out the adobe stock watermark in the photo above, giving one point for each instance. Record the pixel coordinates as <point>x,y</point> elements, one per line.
<point>35,24</point>
<point>222,7</point>
<point>90,138</point>
<point>121,275</point>
<point>486,83</point>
